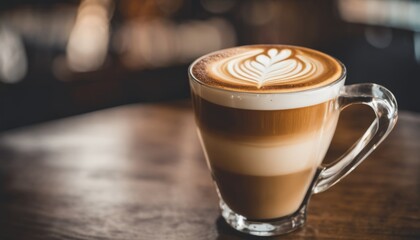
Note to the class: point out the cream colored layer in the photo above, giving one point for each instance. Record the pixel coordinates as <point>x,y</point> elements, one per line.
<point>283,157</point>
<point>267,101</point>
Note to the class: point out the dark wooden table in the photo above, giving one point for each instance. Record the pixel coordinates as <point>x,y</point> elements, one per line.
<point>138,172</point>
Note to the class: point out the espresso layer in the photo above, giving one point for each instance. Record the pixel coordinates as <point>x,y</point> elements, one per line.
<point>246,124</point>
<point>259,197</point>
<point>267,68</point>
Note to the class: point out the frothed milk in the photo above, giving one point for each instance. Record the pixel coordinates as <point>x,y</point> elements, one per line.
<point>265,123</point>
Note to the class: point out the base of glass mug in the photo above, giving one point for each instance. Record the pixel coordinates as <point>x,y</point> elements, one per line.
<point>264,228</point>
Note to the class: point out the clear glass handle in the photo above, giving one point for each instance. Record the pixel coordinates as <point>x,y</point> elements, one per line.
<point>384,104</point>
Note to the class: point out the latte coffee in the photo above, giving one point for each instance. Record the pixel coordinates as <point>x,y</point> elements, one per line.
<point>266,115</point>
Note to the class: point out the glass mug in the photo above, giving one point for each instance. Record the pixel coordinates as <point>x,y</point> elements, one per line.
<point>265,148</point>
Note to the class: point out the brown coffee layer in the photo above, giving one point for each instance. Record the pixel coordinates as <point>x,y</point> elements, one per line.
<point>237,123</point>
<point>261,197</point>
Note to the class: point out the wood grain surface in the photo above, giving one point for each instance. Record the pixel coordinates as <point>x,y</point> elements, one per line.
<point>138,172</point>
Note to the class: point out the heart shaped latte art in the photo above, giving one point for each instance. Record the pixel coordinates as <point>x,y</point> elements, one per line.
<point>261,67</point>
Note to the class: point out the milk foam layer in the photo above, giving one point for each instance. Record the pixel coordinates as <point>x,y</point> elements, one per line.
<point>267,77</point>
<point>259,68</point>
<point>282,157</point>
<point>267,101</point>
<point>267,68</point>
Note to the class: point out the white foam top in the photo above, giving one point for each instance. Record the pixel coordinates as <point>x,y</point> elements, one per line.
<point>266,101</point>
<point>264,67</point>
<point>267,77</point>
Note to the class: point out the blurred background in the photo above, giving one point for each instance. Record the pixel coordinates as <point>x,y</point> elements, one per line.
<point>62,58</point>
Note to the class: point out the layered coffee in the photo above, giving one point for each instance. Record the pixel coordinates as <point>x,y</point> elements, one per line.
<point>264,123</point>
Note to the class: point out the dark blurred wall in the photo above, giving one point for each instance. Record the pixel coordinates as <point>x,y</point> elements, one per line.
<point>64,58</point>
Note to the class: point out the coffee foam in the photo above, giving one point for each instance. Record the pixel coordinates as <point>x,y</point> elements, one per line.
<point>257,68</point>
<point>267,68</point>
<point>289,77</point>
